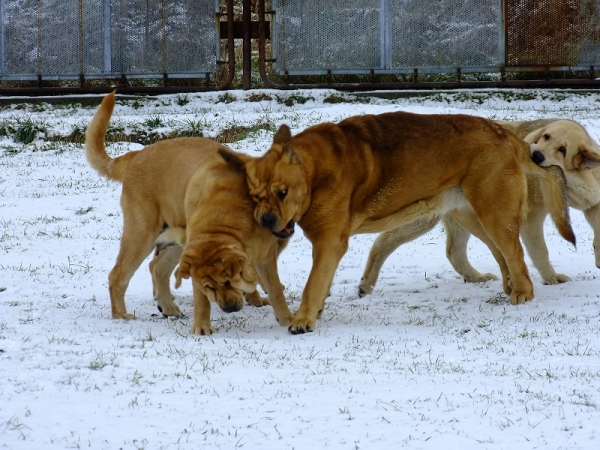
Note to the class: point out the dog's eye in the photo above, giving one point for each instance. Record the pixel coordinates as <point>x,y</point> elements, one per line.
<point>563,151</point>
<point>281,194</point>
<point>546,136</point>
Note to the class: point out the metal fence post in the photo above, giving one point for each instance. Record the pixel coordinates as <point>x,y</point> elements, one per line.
<point>106,28</point>
<point>246,45</point>
<point>386,33</point>
<point>1,38</point>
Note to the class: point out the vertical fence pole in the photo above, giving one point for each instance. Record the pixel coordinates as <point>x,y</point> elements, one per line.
<point>81,46</point>
<point>503,38</point>
<point>385,22</point>
<point>2,52</point>
<point>246,45</point>
<point>106,29</point>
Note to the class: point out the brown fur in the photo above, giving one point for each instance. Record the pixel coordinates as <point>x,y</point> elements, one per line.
<point>184,189</point>
<point>373,173</point>
<point>539,206</point>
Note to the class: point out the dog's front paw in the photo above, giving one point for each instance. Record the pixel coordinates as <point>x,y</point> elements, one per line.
<point>556,278</point>
<point>285,320</point>
<point>519,298</point>
<point>255,299</point>
<point>480,278</point>
<point>168,308</point>
<point>301,325</point>
<point>202,329</point>
<point>124,316</point>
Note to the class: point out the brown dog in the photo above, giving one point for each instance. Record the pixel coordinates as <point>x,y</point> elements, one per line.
<point>372,173</point>
<point>553,137</point>
<point>186,190</point>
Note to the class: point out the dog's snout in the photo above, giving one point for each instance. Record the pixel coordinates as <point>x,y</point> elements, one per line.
<point>268,220</point>
<point>538,157</point>
<point>232,306</point>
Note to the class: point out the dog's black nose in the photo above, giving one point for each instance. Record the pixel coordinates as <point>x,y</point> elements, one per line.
<point>268,220</point>
<point>538,157</point>
<point>232,307</point>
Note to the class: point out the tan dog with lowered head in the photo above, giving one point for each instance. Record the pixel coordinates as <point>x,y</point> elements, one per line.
<point>373,173</point>
<point>185,184</point>
<point>553,137</point>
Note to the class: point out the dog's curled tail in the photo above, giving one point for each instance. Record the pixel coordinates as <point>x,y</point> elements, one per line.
<point>95,151</point>
<point>553,185</point>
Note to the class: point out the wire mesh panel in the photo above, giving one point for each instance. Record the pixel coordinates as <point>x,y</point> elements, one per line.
<point>553,33</point>
<point>68,38</point>
<point>160,36</point>
<point>446,34</point>
<point>312,36</point>
<point>45,37</point>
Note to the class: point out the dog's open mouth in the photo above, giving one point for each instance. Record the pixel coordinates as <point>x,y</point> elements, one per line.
<point>287,231</point>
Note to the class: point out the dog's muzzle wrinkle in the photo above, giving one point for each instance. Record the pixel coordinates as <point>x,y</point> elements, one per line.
<point>538,157</point>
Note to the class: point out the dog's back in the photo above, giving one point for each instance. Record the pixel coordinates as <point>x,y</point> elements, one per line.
<point>523,128</point>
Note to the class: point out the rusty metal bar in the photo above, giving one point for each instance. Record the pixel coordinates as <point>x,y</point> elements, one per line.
<point>247,45</point>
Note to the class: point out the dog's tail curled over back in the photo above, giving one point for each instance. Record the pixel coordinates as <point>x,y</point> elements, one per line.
<point>95,150</point>
<point>553,187</point>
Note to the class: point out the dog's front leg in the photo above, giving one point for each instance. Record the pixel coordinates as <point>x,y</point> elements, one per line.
<point>592,215</point>
<point>327,251</point>
<point>201,323</point>
<point>267,270</point>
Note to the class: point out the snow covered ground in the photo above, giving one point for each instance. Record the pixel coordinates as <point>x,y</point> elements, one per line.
<point>425,362</point>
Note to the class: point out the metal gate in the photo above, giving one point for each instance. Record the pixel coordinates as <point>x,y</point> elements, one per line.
<point>401,36</point>
<point>65,39</point>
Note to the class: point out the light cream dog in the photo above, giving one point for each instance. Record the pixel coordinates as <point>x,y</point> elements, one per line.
<point>373,173</point>
<point>553,137</point>
<point>184,189</point>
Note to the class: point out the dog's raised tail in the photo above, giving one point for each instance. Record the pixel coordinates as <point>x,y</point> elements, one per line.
<point>553,185</point>
<point>95,150</point>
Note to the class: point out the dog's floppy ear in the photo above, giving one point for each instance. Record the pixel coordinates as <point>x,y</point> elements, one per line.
<point>534,136</point>
<point>586,159</point>
<point>234,159</point>
<point>283,135</point>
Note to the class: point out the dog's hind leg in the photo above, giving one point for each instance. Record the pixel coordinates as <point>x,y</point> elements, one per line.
<point>161,268</point>
<point>137,241</point>
<point>592,215</point>
<point>255,299</point>
<point>469,222</point>
<point>532,233</point>
<point>500,203</point>
<point>385,244</point>
<point>457,238</point>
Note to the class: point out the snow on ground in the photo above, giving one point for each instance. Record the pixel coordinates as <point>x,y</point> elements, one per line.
<point>425,362</point>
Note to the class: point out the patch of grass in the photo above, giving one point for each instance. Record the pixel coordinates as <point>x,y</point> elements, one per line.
<point>182,99</point>
<point>235,133</point>
<point>226,98</point>
<point>259,97</point>
<point>334,98</point>
<point>153,122</point>
<point>293,99</point>
<point>27,130</point>
<point>192,129</point>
